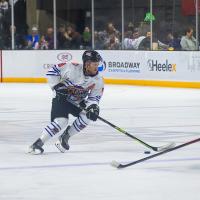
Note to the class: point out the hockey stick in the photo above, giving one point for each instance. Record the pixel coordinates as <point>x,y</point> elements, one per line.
<point>120,166</point>
<point>160,148</point>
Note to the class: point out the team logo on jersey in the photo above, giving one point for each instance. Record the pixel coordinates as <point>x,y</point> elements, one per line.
<point>102,66</point>
<point>78,92</point>
<point>64,57</point>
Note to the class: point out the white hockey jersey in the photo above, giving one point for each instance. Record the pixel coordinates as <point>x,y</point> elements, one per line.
<point>78,86</point>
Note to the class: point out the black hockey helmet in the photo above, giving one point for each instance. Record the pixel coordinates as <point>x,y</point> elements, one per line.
<point>91,55</point>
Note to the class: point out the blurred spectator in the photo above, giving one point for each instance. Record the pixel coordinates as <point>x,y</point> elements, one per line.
<point>47,40</point>
<point>19,41</point>
<point>162,46</point>
<point>63,38</point>
<point>136,33</point>
<point>33,39</point>
<point>99,39</point>
<point>111,37</point>
<point>188,42</point>
<point>112,43</point>
<point>133,41</point>
<point>5,18</point>
<point>130,27</point>
<point>145,44</point>
<point>128,40</point>
<point>3,6</point>
<point>128,34</point>
<point>110,30</point>
<point>74,37</point>
<point>173,42</point>
<point>137,42</point>
<point>87,38</point>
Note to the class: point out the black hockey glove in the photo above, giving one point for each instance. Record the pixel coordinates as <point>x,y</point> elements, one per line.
<point>82,104</point>
<point>92,112</point>
<point>60,89</point>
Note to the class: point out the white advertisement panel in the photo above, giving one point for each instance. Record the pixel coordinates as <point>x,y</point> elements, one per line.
<point>133,65</point>
<point>34,63</point>
<point>153,65</point>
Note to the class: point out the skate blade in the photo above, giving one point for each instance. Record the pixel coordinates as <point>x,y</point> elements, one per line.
<point>60,148</point>
<point>34,152</point>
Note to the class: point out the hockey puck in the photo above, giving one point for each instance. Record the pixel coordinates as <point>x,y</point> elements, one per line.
<point>147,152</point>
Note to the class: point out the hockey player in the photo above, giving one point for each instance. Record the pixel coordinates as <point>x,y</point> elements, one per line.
<point>72,84</point>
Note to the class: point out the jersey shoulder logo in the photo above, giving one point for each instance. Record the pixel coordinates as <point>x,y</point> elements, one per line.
<point>61,64</point>
<point>75,63</point>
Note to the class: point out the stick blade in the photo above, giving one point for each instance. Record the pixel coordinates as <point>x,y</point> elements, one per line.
<point>167,146</point>
<point>115,164</point>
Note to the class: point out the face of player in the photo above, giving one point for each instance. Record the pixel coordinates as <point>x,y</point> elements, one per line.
<point>91,68</point>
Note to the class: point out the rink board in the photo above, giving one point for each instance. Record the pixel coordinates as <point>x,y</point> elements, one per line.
<point>151,68</point>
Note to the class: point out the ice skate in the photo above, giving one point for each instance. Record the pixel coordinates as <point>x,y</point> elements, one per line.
<point>62,142</point>
<point>36,147</point>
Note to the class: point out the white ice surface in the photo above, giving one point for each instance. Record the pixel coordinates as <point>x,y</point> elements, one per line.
<point>155,115</point>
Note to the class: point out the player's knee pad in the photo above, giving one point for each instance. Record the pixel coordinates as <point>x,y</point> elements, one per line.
<point>61,122</point>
